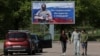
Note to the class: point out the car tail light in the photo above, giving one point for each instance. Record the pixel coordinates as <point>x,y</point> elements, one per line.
<point>26,43</point>
<point>7,44</point>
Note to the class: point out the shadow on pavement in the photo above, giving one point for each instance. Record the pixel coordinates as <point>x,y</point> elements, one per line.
<point>23,54</point>
<point>82,55</point>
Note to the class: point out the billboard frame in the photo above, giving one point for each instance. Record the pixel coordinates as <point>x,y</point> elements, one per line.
<point>53,2</point>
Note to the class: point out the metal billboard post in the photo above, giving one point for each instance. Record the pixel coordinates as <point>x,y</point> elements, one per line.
<point>51,30</point>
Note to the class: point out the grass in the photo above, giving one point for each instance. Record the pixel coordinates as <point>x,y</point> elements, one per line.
<point>92,36</point>
<point>56,37</point>
<point>2,40</point>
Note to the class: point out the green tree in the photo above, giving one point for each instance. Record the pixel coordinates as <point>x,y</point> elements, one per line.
<point>87,12</point>
<point>14,14</point>
<point>95,14</point>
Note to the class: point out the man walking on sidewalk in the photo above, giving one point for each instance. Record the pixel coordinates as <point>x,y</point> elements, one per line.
<point>75,38</point>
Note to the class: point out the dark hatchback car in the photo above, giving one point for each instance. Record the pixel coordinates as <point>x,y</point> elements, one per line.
<point>35,40</point>
<point>41,42</point>
<point>17,41</point>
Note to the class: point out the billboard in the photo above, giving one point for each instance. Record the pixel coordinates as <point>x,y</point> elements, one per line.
<point>53,12</point>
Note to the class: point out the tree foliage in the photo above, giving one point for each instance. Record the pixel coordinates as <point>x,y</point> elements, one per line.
<point>87,13</point>
<point>16,14</point>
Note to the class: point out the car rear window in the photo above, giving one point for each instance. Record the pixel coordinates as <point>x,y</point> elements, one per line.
<point>33,37</point>
<point>17,35</point>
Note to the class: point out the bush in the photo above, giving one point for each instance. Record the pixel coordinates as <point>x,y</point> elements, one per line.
<point>94,38</point>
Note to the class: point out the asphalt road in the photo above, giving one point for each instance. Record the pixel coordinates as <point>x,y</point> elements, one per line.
<point>93,50</point>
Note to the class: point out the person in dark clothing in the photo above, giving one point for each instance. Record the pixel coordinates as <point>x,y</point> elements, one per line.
<point>69,34</point>
<point>63,40</point>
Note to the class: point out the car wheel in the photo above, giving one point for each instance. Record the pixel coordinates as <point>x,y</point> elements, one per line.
<point>36,51</point>
<point>33,52</point>
<point>5,53</point>
<point>41,50</point>
<point>11,53</point>
<point>30,52</point>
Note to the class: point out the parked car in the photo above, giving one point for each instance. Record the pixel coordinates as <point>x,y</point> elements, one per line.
<point>36,40</point>
<point>18,41</point>
<point>41,42</point>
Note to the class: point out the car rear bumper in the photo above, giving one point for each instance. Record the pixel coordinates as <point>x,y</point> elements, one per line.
<point>17,49</point>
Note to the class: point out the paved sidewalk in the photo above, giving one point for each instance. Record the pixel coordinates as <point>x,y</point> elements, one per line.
<point>93,50</point>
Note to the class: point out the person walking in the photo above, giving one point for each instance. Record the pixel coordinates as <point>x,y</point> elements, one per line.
<point>75,38</point>
<point>69,36</point>
<point>63,40</point>
<point>84,41</point>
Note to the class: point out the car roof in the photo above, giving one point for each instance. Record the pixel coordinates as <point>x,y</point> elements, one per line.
<point>33,34</point>
<point>18,31</point>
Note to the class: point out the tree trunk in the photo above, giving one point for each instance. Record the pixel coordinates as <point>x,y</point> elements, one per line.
<point>16,24</point>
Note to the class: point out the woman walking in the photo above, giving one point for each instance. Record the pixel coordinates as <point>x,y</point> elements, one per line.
<point>63,40</point>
